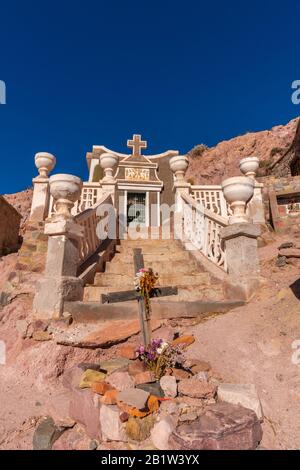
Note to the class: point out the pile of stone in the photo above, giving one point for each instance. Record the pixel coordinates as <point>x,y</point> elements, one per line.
<point>120,402</point>
<point>288,253</point>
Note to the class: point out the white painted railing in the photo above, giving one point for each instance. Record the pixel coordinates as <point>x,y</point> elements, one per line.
<point>201,227</point>
<point>90,194</point>
<point>89,219</point>
<point>211,197</point>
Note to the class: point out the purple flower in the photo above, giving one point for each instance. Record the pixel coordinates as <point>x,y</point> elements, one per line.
<point>151,356</point>
<point>140,350</point>
<point>156,343</point>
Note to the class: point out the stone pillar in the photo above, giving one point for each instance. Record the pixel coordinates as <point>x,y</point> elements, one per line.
<point>40,199</point>
<point>179,188</point>
<point>179,164</point>
<point>108,161</point>
<point>59,283</point>
<point>45,162</point>
<point>109,187</point>
<point>241,249</point>
<point>256,210</point>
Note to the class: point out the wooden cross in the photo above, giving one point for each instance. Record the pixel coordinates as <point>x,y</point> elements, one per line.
<point>136,144</point>
<point>145,320</point>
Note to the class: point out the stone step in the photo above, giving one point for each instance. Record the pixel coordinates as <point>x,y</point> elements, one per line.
<point>114,281</point>
<point>161,267</point>
<point>163,256</point>
<point>148,242</point>
<point>151,248</point>
<point>83,312</point>
<point>213,292</point>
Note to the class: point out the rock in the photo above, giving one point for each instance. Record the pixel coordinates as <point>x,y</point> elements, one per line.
<point>183,341</point>
<point>241,394</point>
<point>180,374</point>
<point>144,377</point>
<point>210,401</point>
<point>84,409</point>
<point>169,407</point>
<point>110,397</point>
<point>124,416</point>
<point>111,425</point>
<point>127,351</point>
<point>169,386</point>
<point>134,397</point>
<point>101,334</point>
<point>22,326</point>
<point>65,423</point>
<point>221,427</point>
<point>201,366</point>
<point>139,429</point>
<point>120,380</point>
<point>89,377</point>
<point>153,403</point>
<point>286,245</point>
<point>131,410</point>
<point>113,446</point>
<point>93,444</point>
<point>196,388</point>
<point>290,253</point>
<point>90,365</point>
<point>203,376</point>
<point>46,434</point>
<point>4,299</point>
<point>71,377</point>
<point>152,388</point>
<point>41,335</point>
<point>161,433</point>
<point>137,367</point>
<point>114,364</point>
<point>191,416</point>
<point>188,401</point>
<point>38,325</point>
<point>73,439</point>
<point>166,333</point>
<point>101,387</point>
<point>280,261</point>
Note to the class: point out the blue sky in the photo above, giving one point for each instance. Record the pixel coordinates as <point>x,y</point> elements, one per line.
<point>79,73</point>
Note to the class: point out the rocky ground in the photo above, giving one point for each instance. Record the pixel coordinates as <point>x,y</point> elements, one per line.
<point>250,345</point>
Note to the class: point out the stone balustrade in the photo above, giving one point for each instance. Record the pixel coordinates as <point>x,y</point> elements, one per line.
<point>201,231</point>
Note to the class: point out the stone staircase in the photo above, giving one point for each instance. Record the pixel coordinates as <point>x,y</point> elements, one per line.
<point>174,265</point>
<point>199,292</point>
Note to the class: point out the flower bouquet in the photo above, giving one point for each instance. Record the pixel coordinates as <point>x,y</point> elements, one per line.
<point>144,281</point>
<point>159,356</point>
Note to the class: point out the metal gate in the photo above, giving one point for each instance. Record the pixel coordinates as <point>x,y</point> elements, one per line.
<point>136,209</point>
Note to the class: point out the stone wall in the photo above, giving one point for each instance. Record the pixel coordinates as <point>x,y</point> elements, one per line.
<point>276,190</point>
<point>9,227</point>
<point>32,255</point>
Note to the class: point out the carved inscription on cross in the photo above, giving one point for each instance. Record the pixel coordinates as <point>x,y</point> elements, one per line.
<point>145,320</point>
<point>136,144</point>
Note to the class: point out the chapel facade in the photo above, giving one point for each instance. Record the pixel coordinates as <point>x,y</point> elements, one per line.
<point>143,183</point>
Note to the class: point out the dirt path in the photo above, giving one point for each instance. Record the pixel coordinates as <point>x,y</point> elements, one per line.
<point>253,344</point>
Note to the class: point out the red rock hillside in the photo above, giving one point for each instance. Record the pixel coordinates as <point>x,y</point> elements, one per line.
<point>211,165</point>
<point>22,202</point>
